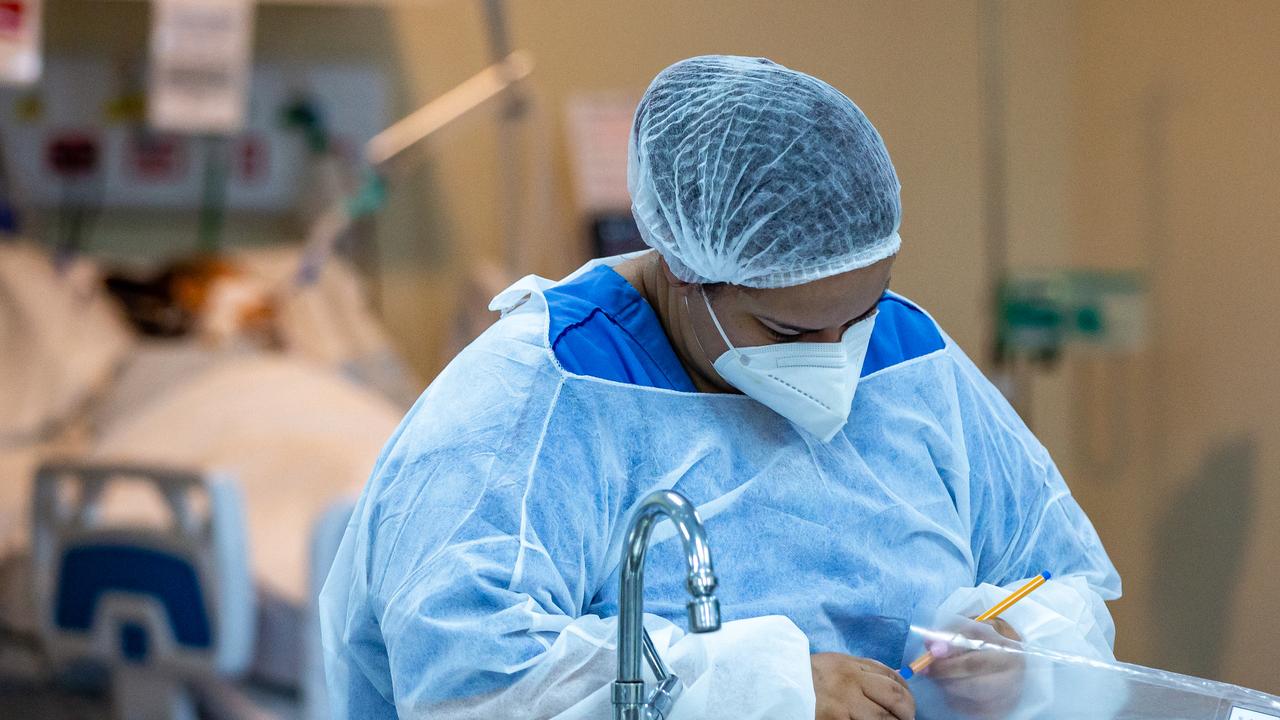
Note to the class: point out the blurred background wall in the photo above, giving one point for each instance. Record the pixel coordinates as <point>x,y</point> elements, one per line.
<point>1135,135</point>
<point>1174,171</point>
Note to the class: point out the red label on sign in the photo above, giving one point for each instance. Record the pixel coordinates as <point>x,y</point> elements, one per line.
<point>11,15</point>
<point>157,158</point>
<point>72,154</point>
<point>251,159</point>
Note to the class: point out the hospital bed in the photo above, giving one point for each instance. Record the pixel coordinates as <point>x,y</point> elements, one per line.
<point>164,610</point>
<point>295,432</point>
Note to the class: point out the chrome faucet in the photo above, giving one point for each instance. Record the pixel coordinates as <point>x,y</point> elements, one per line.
<point>629,702</point>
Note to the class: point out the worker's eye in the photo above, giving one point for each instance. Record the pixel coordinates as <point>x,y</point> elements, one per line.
<point>777,336</point>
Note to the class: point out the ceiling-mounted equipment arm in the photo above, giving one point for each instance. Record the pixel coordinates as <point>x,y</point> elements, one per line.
<point>467,96</point>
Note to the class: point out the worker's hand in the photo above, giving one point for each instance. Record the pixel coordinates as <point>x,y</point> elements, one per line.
<point>850,688</point>
<point>980,683</point>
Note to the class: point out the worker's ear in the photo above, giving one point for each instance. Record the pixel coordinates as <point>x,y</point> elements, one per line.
<point>672,280</point>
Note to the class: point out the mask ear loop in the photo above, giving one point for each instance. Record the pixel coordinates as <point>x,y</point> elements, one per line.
<point>689,314</point>
<point>714,319</point>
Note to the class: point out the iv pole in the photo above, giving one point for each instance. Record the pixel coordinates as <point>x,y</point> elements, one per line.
<point>385,150</point>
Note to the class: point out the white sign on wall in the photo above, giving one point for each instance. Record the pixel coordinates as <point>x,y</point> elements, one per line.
<point>199,74</point>
<point>599,127</point>
<point>20,23</point>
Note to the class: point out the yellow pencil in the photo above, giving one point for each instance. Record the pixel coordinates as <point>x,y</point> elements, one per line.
<point>926,659</point>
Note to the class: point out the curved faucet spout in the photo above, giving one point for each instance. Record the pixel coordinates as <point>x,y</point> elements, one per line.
<point>703,607</point>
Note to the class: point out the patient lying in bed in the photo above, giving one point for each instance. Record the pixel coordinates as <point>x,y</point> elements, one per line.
<point>297,428</point>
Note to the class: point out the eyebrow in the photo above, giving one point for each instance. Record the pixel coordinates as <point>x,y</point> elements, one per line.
<point>801,330</point>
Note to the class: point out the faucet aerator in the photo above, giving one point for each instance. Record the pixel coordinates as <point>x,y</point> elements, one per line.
<point>704,614</point>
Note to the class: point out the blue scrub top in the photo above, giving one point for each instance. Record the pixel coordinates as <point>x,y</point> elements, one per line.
<point>601,327</point>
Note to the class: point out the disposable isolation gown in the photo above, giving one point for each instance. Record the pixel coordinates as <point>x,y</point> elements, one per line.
<point>479,574</point>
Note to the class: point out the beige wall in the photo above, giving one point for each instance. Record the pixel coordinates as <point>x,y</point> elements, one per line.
<point>1175,171</point>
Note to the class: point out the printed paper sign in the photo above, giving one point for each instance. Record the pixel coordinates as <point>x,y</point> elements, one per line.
<point>599,128</point>
<point>19,41</point>
<point>199,78</point>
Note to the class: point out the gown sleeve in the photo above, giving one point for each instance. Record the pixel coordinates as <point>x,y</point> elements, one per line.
<point>1024,521</point>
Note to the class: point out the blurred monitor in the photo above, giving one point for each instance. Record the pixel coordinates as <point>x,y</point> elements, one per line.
<point>614,233</point>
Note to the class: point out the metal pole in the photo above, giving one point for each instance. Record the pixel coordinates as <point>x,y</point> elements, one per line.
<point>510,148</point>
<point>994,177</point>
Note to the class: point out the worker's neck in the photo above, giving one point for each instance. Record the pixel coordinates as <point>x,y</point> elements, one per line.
<point>651,281</point>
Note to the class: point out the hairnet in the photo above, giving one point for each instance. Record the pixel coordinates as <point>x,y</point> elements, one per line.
<point>746,172</point>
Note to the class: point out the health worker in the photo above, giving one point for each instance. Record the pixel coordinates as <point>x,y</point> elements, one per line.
<point>855,471</point>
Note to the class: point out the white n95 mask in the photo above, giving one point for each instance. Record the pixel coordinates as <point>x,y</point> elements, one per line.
<point>810,384</point>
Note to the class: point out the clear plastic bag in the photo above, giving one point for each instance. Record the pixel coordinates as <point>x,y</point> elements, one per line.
<point>983,675</point>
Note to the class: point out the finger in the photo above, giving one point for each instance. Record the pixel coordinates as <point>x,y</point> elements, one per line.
<point>973,690</point>
<point>891,696</point>
<point>881,670</point>
<point>981,698</point>
<point>939,649</point>
<point>984,663</point>
<point>1000,625</point>
<point>953,668</point>
<point>864,708</point>
<point>967,665</point>
<point>979,708</point>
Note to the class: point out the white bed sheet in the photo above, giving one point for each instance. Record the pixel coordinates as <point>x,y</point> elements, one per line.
<point>297,437</point>
<point>60,340</point>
